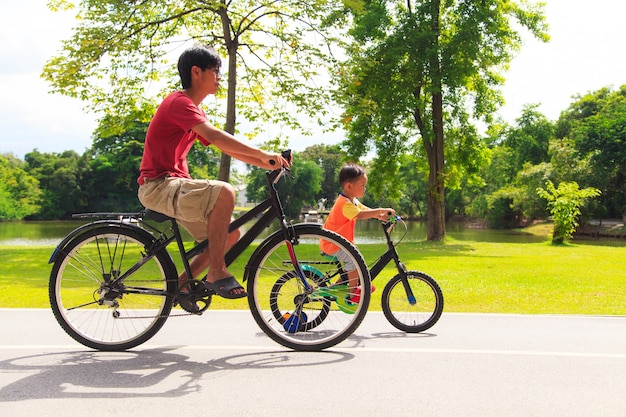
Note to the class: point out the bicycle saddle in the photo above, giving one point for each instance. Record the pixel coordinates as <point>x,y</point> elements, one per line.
<point>156,216</point>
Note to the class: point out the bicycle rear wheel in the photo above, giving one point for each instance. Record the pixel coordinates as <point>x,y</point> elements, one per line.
<point>94,310</point>
<point>309,309</point>
<point>416,311</point>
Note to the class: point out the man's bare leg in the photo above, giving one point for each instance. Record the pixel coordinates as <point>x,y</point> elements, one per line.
<point>217,232</point>
<point>219,240</point>
<point>201,262</point>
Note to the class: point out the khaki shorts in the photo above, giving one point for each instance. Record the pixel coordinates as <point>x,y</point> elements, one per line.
<point>188,201</point>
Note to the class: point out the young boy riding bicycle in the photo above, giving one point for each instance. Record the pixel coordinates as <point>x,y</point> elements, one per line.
<point>343,216</point>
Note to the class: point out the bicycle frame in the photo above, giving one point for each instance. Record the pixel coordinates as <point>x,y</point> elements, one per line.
<point>385,258</point>
<point>269,210</point>
<point>388,256</point>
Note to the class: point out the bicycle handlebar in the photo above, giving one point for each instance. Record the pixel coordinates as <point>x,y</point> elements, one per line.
<point>285,154</point>
<point>275,174</point>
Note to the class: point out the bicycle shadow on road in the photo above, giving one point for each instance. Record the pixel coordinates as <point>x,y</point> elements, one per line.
<point>358,340</point>
<point>148,373</point>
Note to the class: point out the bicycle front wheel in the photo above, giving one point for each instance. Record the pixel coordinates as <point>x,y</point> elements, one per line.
<point>413,304</point>
<point>309,307</point>
<point>95,308</point>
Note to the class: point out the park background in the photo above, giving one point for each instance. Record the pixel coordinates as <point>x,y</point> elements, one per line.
<point>53,164</point>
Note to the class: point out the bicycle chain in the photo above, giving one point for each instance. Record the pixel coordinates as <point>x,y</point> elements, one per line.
<point>160,316</point>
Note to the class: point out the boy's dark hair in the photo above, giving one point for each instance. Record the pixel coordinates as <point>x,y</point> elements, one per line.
<point>202,56</point>
<point>350,173</point>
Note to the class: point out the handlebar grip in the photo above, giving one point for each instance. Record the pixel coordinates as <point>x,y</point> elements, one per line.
<point>287,155</point>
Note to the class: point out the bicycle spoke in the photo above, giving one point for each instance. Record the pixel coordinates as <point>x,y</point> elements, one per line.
<point>93,306</point>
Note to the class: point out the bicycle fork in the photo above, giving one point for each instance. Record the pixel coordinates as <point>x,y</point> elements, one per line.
<point>405,283</point>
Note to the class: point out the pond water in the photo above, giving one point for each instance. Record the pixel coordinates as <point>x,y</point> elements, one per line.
<point>50,233</point>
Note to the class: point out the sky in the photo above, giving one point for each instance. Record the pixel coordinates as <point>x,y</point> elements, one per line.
<point>584,55</point>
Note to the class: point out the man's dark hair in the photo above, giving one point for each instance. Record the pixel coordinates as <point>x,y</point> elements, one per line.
<point>350,173</point>
<point>202,56</point>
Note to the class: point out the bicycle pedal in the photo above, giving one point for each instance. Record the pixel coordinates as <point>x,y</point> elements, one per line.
<point>196,299</point>
<point>189,304</point>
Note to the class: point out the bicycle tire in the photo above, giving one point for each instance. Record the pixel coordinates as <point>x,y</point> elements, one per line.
<point>129,314</point>
<point>412,316</point>
<point>298,318</point>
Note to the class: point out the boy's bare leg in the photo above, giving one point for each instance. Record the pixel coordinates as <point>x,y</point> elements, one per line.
<point>353,279</point>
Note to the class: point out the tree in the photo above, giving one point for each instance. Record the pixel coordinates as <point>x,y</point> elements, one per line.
<point>424,70</point>
<point>517,165</point>
<point>120,50</point>
<point>295,193</point>
<point>529,139</point>
<point>19,191</point>
<point>111,182</point>
<point>330,158</point>
<point>60,178</point>
<point>564,204</point>
<point>595,125</point>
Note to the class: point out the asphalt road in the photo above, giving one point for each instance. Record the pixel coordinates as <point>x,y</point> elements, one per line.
<point>221,364</point>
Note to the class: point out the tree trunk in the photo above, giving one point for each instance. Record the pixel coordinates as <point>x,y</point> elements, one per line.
<point>232,45</point>
<point>433,144</point>
<point>436,178</point>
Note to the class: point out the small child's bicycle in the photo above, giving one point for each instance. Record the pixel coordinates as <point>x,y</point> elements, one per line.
<point>114,282</point>
<point>412,301</point>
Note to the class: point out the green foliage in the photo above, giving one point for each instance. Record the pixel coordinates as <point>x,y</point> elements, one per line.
<point>122,54</point>
<point>422,71</point>
<point>204,161</point>
<point>330,158</point>
<point>564,204</point>
<point>114,169</point>
<point>104,178</point>
<point>295,193</point>
<point>529,140</point>
<point>500,213</point>
<point>61,179</point>
<point>412,182</point>
<point>517,163</point>
<point>19,191</point>
<point>595,127</point>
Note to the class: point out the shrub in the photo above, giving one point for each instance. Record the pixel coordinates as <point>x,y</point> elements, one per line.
<point>564,205</point>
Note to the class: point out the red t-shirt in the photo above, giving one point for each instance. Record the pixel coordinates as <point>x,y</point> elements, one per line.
<point>170,137</point>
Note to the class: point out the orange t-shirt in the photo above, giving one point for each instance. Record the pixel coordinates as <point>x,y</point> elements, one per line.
<point>342,220</point>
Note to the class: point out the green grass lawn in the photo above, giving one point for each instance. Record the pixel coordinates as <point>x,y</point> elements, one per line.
<point>481,277</point>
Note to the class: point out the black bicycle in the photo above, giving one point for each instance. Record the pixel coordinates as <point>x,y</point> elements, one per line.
<point>114,283</point>
<point>412,301</point>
